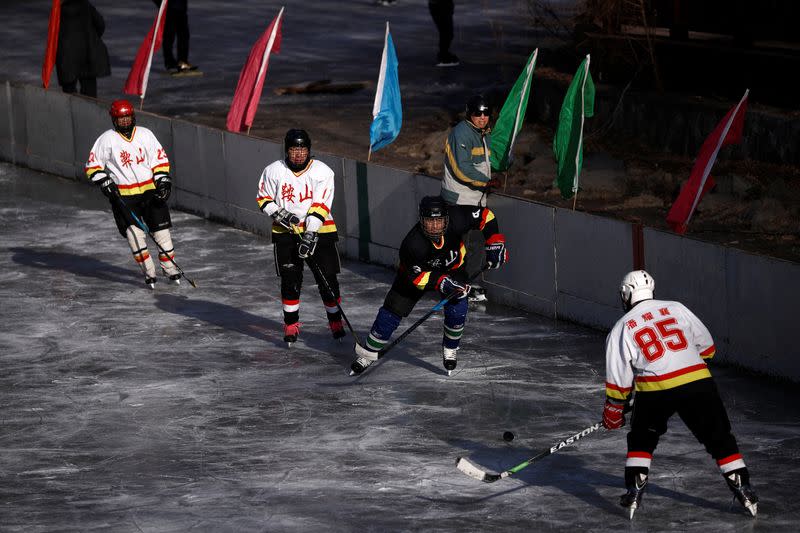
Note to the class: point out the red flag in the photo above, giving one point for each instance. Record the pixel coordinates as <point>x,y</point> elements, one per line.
<point>251,79</point>
<point>140,71</point>
<point>728,131</point>
<point>52,43</point>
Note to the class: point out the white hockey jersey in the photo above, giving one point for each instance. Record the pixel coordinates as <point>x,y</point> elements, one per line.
<point>657,345</point>
<point>132,163</point>
<point>307,194</point>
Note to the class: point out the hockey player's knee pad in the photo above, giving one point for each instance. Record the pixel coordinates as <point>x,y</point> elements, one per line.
<point>455,313</point>
<point>385,324</point>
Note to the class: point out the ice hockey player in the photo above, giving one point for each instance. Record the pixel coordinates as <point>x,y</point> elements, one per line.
<point>132,170</point>
<point>297,192</point>
<point>432,258</point>
<point>659,348</point>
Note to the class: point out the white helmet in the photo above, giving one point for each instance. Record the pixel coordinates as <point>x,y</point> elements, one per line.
<point>635,287</point>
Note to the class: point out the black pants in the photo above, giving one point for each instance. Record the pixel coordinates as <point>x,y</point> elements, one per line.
<point>88,87</point>
<point>146,207</point>
<point>700,407</point>
<point>176,24</point>
<point>324,262</point>
<point>442,14</point>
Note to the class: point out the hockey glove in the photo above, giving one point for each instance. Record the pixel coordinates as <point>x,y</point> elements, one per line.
<point>448,286</point>
<point>285,218</point>
<point>163,187</point>
<point>496,253</point>
<point>613,414</point>
<point>109,188</point>
<point>308,243</point>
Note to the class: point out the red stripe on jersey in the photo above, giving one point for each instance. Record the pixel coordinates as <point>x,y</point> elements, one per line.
<point>268,198</point>
<point>617,387</point>
<point>711,350</point>
<point>670,375</point>
<point>729,459</point>
<point>323,207</point>
<point>640,455</point>
<point>135,185</point>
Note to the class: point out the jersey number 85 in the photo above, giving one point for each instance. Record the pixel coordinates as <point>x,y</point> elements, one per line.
<point>653,340</point>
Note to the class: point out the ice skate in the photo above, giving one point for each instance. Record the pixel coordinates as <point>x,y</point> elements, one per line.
<point>476,294</point>
<point>632,500</point>
<point>449,359</point>
<point>337,329</point>
<point>150,282</point>
<point>175,279</point>
<point>365,358</point>
<point>290,333</point>
<point>742,491</point>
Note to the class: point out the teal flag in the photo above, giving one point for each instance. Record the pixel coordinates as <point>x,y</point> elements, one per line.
<point>568,142</point>
<point>512,115</point>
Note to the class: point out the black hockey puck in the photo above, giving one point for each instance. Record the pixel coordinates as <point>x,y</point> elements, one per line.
<point>508,436</point>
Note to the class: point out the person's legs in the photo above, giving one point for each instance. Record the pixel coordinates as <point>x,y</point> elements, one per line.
<point>89,87</point>
<point>442,14</point>
<point>327,266</point>
<point>703,412</point>
<point>70,87</point>
<point>168,39</point>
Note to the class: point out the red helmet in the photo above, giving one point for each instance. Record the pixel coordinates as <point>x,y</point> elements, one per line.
<point>121,108</point>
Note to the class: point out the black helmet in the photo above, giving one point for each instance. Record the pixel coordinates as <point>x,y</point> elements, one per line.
<point>433,217</point>
<point>477,104</point>
<point>296,138</point>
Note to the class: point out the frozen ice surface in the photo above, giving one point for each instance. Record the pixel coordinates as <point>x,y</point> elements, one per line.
<point>180,409</point>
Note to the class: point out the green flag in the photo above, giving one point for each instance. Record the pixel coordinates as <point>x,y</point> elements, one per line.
<point>568,142</point>
<point>511,117</point>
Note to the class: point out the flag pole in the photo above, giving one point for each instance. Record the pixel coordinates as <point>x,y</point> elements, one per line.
<point>369,154</point>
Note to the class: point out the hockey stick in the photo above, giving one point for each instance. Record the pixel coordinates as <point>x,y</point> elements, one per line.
<point>142,226</point>
<point>425,317</point>
<point>470,469</point>
<point>318,272</point>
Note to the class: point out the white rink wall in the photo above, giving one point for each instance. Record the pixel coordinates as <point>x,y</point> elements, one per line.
<point>563,264</point>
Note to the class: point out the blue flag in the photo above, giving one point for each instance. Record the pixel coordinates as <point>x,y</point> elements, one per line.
<point>387,113</point>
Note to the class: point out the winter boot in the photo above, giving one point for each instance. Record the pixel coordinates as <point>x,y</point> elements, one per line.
<point>449,358</point>
<point>290,333</point>
<point>739,483</point>
<point>632,500</point>
<point>337,329</point>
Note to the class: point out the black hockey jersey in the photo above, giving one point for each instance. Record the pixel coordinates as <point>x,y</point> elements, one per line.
<point>425,262</point>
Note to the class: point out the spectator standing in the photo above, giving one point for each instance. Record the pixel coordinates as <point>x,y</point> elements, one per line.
<point>176,27</point>
<point>442,14</point>
<point>81,56</point>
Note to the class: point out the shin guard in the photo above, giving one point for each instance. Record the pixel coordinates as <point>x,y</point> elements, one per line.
<point>166,251</point>
<point>138,244</point>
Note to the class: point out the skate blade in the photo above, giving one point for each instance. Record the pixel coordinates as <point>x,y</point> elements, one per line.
<point>449,373</point>
<point>631,510</point>
<point>753,508</point>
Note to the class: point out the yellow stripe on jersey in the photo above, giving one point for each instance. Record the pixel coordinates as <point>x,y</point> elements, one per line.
<point>163,167</point>
<point>264,200</point>
<point>327,227</point>
<point>617,392</point>
<point>319,210</point>
<point>709,352</point>
<point>422,280</point>
<point>672,379</point>
<point>477,150</point>
<point>462,254</point>
<point>460,176</point>
<point>486,216</point>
